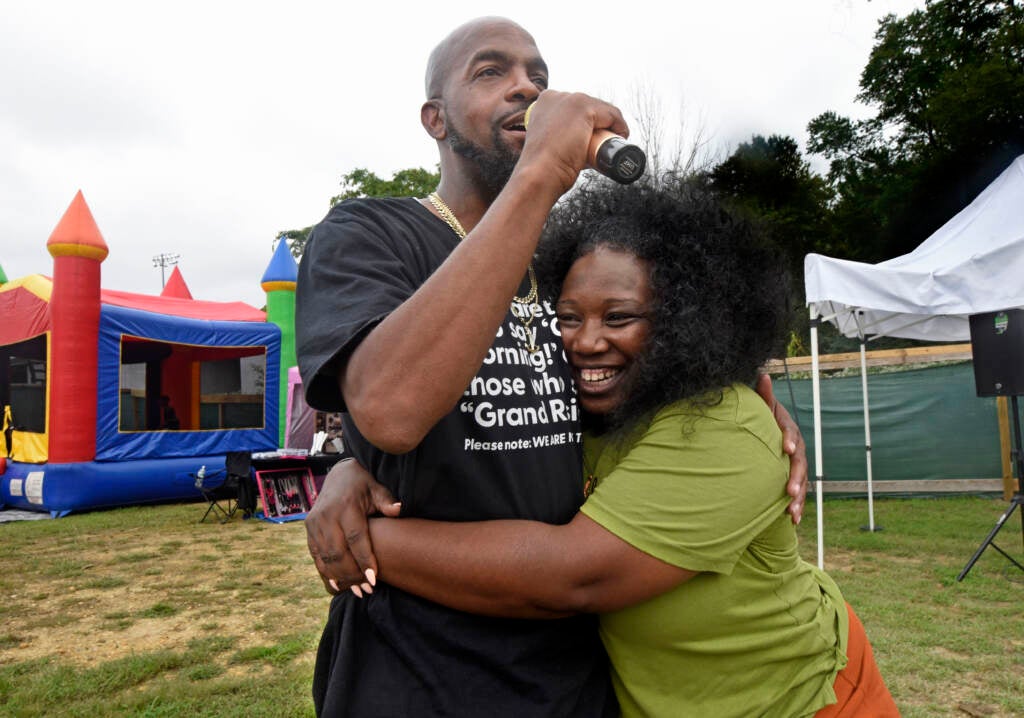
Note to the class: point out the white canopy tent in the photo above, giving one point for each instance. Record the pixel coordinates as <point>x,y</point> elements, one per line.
<point>972,264</point>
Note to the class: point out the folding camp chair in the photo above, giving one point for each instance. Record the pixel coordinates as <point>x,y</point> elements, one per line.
<point>229,489</point>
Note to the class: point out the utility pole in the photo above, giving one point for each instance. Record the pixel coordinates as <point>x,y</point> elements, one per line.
<point>163,261</point>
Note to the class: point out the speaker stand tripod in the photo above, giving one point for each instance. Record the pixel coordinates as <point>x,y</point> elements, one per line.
<point>1017,502</point>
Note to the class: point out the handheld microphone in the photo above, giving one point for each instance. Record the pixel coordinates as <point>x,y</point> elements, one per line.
<point>610,154</point>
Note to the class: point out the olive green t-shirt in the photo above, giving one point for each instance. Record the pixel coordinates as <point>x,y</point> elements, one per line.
<point>758,631</point>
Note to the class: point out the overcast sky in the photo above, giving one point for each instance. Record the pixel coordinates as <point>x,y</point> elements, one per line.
<point>205,128</point>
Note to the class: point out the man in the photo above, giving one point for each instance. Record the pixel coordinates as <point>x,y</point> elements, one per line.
<point>421,320</point>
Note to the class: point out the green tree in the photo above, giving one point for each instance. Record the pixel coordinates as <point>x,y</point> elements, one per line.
<point>414,182</point>
<point>769,178</point>
<point>947,84</point>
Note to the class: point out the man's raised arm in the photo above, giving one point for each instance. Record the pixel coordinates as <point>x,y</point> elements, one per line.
<point>411,369</point>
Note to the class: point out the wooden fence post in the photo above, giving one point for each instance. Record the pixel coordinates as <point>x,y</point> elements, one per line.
<point>1005,446</point>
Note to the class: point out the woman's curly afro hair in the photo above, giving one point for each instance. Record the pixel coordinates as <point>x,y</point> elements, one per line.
<point>719,288</point>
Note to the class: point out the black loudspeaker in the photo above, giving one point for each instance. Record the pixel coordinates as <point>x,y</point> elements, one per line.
<point>997,340</point>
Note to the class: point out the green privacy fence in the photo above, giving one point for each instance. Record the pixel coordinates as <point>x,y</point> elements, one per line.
<point>926,424</point>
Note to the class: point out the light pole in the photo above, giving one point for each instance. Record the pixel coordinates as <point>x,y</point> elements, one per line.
<point>163,261</point>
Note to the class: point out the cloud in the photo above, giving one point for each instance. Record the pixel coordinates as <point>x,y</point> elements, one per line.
<point>60,95</point>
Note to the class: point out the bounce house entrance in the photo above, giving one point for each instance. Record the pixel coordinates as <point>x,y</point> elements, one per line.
<point>23,399</point>
<point>169,386</point>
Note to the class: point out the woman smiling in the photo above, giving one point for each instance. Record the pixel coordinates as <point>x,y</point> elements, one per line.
<point>668,304</point>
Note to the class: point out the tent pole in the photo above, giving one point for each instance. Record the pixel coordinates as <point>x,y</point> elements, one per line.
<point>818,472</point>
<point>867,431</point>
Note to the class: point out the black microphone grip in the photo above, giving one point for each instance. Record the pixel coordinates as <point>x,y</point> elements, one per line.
<point>616,158</point>
<point>611,155</point>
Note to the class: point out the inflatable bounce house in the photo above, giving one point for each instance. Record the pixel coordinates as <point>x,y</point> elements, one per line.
<point>111,398</point>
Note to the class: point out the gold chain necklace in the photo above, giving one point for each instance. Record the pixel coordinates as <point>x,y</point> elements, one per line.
<point>525,312</point>
<point>446,214</point>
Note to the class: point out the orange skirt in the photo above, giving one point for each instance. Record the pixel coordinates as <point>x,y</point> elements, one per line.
<point>859,687</point>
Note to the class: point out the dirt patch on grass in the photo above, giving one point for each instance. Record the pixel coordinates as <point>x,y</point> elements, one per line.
<point>118,592</point>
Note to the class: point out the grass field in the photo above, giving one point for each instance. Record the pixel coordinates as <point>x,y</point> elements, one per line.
<point>144,612</point>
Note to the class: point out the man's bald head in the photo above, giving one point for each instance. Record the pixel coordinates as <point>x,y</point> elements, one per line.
<point>449,51</point>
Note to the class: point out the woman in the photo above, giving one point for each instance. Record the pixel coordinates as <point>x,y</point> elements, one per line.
<point>669,305</point>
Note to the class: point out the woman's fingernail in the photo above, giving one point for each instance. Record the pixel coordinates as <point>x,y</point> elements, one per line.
<point>367,588</point>
<point>334,584</point>
<point>356,591</point>
<point>371,577</point>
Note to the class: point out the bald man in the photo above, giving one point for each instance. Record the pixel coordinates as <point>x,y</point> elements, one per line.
<point>421,320</point>
<point>397,315</point>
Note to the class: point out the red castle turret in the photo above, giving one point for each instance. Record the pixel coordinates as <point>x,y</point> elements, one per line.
<point>78,249</point>
<point>176,287</point>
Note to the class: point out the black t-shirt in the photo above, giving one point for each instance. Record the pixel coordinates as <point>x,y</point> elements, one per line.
<point>509,449</point>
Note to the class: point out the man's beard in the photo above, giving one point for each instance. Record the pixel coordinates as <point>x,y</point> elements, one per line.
<point>494,166</point>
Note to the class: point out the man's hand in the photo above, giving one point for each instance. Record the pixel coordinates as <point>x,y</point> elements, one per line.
<point>561,128</point>
<point>336,528</point>
<point>792,444</point>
